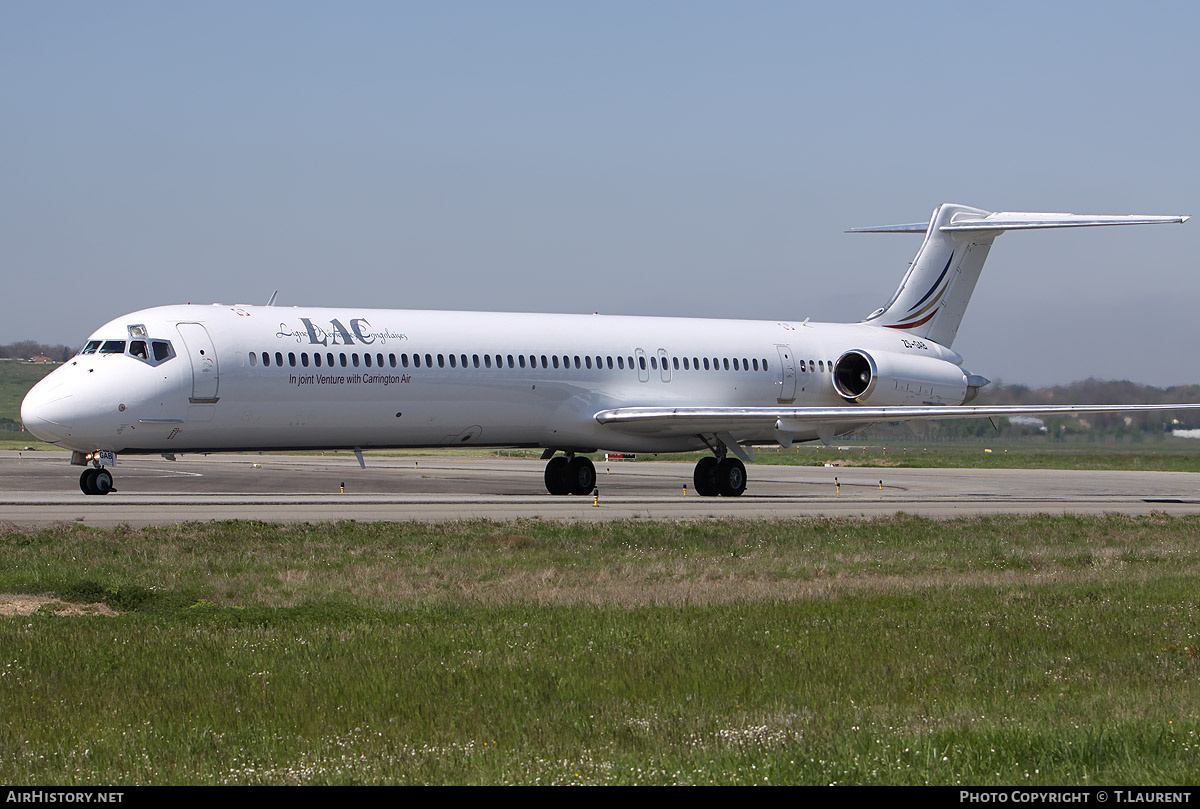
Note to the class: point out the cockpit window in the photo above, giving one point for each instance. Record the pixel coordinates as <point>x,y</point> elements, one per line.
<point>148,351</point>
<point>142,348</point>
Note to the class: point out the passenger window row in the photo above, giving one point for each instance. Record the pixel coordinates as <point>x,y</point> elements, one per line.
<point>488,361</point>
<point>812,366</point>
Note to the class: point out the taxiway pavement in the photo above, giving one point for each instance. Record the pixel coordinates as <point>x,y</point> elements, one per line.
<point>41,488</point>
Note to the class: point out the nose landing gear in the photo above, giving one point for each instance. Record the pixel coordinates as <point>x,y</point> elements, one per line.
<point>96,481</point>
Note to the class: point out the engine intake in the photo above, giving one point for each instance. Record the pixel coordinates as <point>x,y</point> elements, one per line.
<point>886,378</point>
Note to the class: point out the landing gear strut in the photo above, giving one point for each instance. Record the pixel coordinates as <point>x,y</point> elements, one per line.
<point>720,475</point>
<point>572,474</point>
<point>96,481</point>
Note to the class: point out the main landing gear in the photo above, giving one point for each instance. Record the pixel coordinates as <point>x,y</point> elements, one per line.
<point>96,481</point>
<point>723,476</point>
<point>572,474</point>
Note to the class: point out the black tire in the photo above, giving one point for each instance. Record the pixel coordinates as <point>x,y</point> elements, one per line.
<point>705,477</point>
<point>87,481</point>
<point>102,482</point>
<point>581,474</point>
<point>557,479</point>
<point>731,477</point>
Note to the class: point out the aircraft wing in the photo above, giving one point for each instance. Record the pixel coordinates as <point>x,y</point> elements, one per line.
<point>679,421</point>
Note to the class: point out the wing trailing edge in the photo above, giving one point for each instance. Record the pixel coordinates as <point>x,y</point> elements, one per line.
<point>676,421</point>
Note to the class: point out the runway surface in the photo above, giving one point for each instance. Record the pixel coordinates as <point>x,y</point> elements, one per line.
<point>41,488</point>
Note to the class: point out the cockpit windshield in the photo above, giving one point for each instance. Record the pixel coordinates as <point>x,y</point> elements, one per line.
<point>153,352</point>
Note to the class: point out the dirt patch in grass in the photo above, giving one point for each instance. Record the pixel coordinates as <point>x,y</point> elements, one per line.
<point>24,604</point>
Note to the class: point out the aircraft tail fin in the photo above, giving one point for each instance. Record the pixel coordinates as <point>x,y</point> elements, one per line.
<point>934,293</point>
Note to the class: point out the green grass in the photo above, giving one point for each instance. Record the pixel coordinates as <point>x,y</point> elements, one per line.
<point>16,378</point>
<point>1031,650</point>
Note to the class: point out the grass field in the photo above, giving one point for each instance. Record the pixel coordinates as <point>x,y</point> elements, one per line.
<point>1014,650</point>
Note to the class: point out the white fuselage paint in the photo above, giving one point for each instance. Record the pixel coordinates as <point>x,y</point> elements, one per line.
<point>216,393</point>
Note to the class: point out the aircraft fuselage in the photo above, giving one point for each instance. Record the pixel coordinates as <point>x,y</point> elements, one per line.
<point>254,378</point>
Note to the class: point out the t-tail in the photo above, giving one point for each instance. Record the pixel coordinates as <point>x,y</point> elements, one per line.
<point>934,293</point>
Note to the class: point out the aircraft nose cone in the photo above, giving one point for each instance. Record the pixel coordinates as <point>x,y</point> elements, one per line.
<point>44,411</point>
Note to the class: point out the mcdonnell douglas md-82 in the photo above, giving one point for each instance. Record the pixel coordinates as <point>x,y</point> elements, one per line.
<point>188,379</point>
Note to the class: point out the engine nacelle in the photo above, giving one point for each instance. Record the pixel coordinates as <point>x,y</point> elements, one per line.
<point>885,378</point>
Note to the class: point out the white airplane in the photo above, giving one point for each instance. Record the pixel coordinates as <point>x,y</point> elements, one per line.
<point>179,379</point>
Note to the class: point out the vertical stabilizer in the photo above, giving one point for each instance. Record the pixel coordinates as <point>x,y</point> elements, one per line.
<point>934,293</point>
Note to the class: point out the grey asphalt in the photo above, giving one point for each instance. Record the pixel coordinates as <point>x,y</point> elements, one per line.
<point>41,488</point>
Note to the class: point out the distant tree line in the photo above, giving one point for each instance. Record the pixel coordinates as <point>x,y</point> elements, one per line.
<point>25,349</point>
<point>1087,427</point>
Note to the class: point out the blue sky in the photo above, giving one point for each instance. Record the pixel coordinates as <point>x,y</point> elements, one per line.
<point>678,158</point>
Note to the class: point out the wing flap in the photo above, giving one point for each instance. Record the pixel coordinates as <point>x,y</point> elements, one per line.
<point>675,421</point>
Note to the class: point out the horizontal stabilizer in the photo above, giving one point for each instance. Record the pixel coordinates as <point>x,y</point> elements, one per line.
<point>915,227</point>
<point>1019,220</point>
<point>1008,220</point>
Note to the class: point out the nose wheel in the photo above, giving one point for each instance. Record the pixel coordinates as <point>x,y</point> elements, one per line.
<point>96,481</point>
